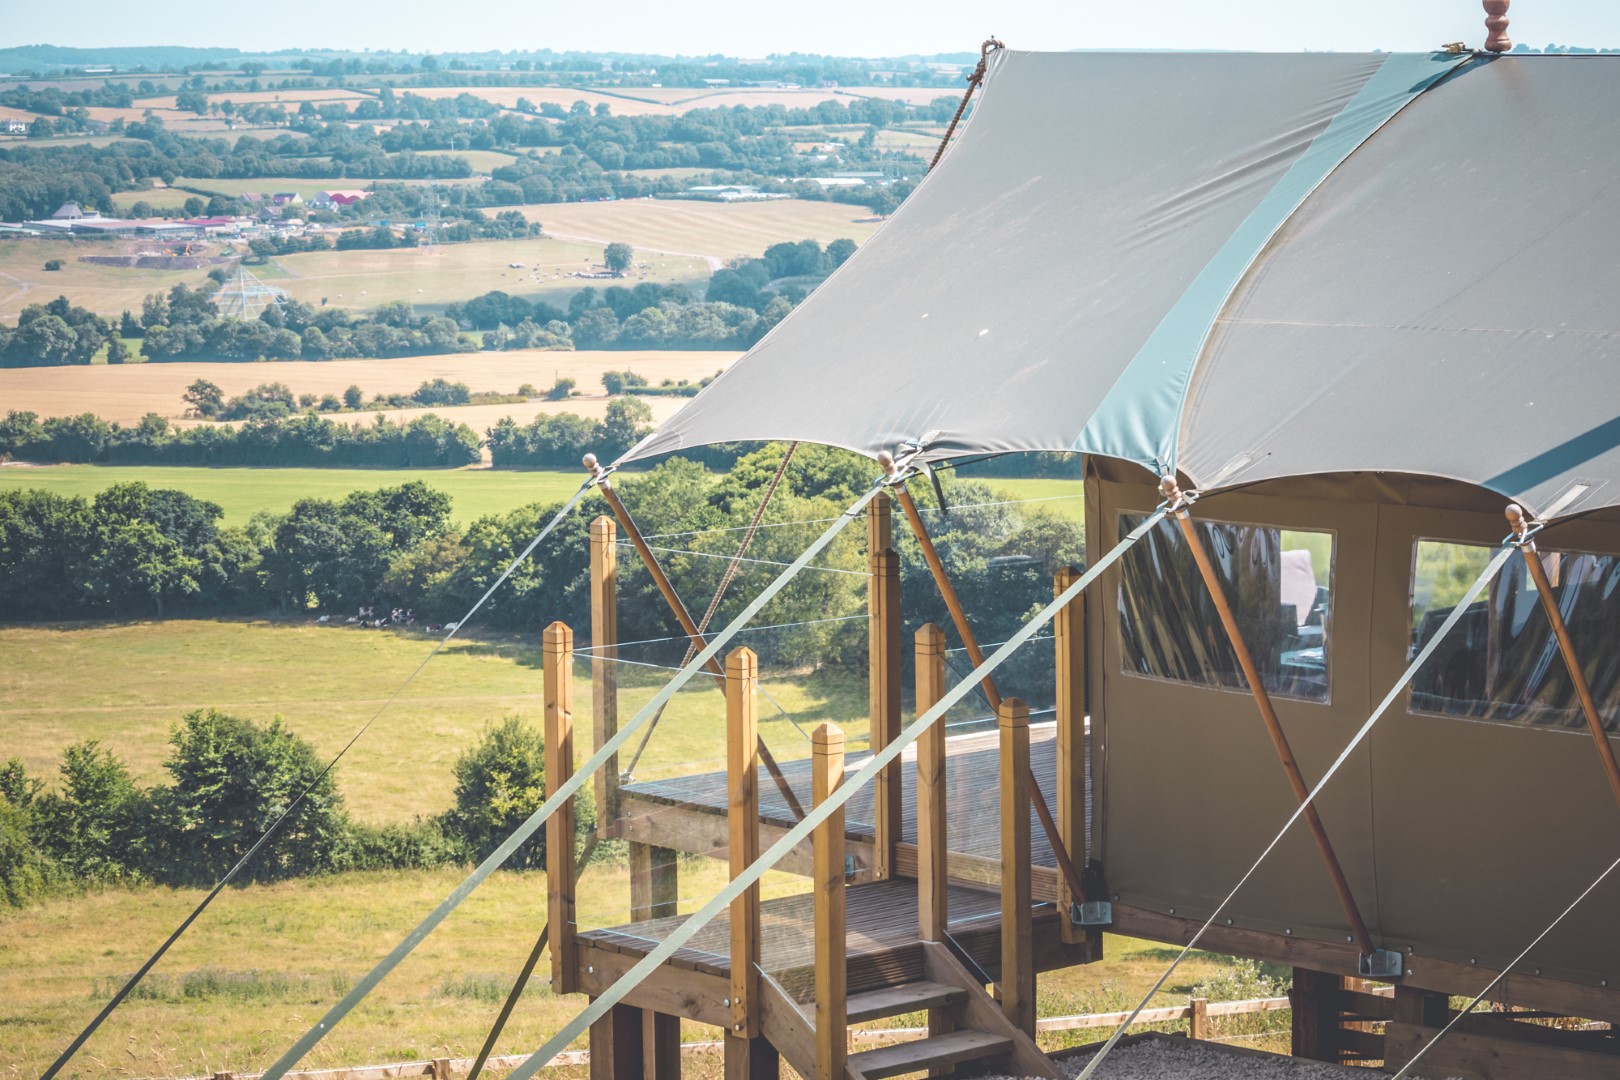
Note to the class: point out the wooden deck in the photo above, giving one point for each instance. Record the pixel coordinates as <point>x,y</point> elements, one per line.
<point>688,813</point>
<point>881,942</point>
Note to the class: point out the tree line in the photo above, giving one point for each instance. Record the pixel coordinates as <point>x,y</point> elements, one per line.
<point>272,440</point>
<point>228,779</point>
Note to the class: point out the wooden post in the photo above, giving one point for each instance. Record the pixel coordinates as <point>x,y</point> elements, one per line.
<point>654,883</point>
<point>1314,999</point>
<point>883,636</point>
<point>1017,931</point>
<point>557,656</point>
<point>750,1059</point>
<point>615,1042</point>
<point>932,903</point>
<point>832,1005</point>
<point>1198,1018</point>
<point>742,772</point>
<point>441,1069</point>
<point>604,671</point>
<point>1416,1008</point>
<point>885,705</point>
<point>1069,630</point>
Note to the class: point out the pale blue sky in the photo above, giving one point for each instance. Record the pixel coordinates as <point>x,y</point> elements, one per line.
<point>846,27</point>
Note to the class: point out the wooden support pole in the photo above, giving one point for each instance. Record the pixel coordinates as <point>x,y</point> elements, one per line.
<point>932,852</point>
<point>1268,714</point>
<point>1415,1008</point>
<point>1069,632</point>
<point>883,602</point>
<point>690,627</point>
<point>883,637</point>
<point>557,661</point>
<point>1314,999</point>
<point>832,1002</point>
<point>1566,646</point>
<point>750,1059</point>
<point>604,671</point>
<point>654,887</point>
<point>615,1042</point>
<point>947,592</point>
<point>742,765</point>
<point>1017,929</point>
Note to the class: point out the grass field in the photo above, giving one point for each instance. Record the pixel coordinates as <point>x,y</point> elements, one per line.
<point>105,289</point>
<point>241,493</point>
<point>482,161</point>
<point>715,230</point>
<point>127,392</point>
<point>448,272</point>
<point>258,968</point>
<point>305,188</point>
<point>157,198</point>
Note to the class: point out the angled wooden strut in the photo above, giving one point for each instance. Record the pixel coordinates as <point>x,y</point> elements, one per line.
<point>953,604</point>
<point>1268,713</point>
<point>690,627</point>
<point>1566,645</point>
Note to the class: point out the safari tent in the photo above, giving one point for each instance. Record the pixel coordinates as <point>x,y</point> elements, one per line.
<point>1313,322</point>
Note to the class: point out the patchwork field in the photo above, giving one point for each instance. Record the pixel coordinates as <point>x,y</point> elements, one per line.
<point>482,161</point>
<point>164,198</point>
<point>126,393</point>
<point>305,188</point>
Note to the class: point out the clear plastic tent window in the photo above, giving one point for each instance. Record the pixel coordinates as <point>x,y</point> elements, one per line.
<point>1502,663</point>
<point>1279,583</point>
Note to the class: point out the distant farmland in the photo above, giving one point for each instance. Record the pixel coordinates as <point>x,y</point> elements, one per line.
<point>127,393</point>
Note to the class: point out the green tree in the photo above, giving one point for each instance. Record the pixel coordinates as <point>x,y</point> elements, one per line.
<point>232,779</point>
<point>353,398</point>
<point>204,398</point>
<point>839,251</point>
<point>618,257</point>
<point>94,826</point>
<point>500,783</point>
<point>117,351</point>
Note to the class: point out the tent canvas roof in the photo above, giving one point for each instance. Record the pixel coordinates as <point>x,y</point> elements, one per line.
<point>1240,266</point>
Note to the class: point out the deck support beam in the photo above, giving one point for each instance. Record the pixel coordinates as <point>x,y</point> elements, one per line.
<point>933,854</point>
<point>616,1047</point>
<point>1268,713</point>
<point>742,771</point>
<point>832,982</point>
<point>654,887</point>
<point>557,662</point>
<point>883,637</point>
<point>604,670</point>
<point>1017,930</point>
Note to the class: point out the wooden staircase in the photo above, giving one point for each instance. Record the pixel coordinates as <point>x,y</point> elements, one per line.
<point>966,1025</point>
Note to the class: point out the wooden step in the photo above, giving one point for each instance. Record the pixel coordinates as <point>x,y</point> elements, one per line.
<point>935,1052</point>
<point>895,1000</point>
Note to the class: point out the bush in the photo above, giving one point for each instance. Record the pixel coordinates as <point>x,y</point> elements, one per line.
<point>93,827</point>
<point>420,845</point>
<point>26,872</point>
<point>53,264</point>
<point>500,783</point>
<point>560,390</point>
<point>232,780</point>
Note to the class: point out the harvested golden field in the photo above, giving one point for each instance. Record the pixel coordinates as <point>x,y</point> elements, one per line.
<point>128,392</point>
<point>713,230</point>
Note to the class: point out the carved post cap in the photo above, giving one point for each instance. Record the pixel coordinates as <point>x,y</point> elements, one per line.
<point>590,463</point>
<point>885,461</point>
<point>1516,521</point>
<point>1496,24</point>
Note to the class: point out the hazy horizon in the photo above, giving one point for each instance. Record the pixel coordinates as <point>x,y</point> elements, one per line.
<point>839,27</point>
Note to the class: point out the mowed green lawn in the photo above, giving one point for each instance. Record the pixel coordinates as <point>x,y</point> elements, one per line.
<point>241,493</point>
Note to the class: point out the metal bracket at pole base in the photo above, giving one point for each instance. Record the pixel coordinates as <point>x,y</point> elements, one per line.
<point>1381,964</point>
<point>1092,913</point>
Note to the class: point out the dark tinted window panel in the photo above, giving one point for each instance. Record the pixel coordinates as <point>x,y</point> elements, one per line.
<point>1278,582</point>
<point>1502,663</point>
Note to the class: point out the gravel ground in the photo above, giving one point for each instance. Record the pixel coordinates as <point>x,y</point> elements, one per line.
<point>1179,1059</point>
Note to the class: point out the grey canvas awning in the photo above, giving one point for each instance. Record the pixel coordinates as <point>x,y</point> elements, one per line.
<point>1239,266</point>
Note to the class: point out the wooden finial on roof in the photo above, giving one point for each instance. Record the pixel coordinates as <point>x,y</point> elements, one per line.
<point>1496,24</point>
